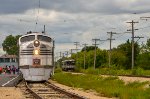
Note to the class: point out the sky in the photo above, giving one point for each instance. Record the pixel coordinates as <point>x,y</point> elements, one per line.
<point>69,21</point>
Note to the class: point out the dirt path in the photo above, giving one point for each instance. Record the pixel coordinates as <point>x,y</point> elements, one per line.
<point>10,93</point>
<point>130,79</point>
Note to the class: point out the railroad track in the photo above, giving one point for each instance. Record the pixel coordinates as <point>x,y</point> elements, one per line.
<point>46,90</point>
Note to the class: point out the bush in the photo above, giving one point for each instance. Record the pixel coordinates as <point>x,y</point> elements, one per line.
<point>92,71</point>
<point>58,69</point>
<point>138,71</point>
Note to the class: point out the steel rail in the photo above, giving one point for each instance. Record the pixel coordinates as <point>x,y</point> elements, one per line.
<point>58,89</point>
<point>70,94</point>
<point>32,92</point>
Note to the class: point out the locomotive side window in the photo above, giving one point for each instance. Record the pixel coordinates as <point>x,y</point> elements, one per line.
<point>27,38</point>
<point>44,38</point>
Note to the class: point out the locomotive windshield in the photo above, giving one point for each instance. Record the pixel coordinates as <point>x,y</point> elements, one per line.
<point>44,38</point>
<point>27,38</point>
<point>69,63</point>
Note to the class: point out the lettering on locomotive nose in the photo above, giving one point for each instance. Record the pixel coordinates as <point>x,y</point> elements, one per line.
<point>36,61</point>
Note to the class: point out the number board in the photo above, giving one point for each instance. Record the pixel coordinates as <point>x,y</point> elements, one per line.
<point>36,61</point>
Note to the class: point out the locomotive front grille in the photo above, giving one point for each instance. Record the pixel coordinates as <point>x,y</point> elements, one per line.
<point>30,52</point>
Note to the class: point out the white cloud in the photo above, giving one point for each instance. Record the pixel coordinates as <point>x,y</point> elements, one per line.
<point>75,20</point>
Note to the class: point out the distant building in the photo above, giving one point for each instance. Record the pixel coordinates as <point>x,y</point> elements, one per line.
<point>8,60</point>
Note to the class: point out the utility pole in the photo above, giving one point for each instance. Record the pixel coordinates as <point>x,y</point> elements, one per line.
<point>84,52</point>
<point>60,55</point>
<point>66,53</point>
<point>44,29</point>
<point>132,23</point>
<point>63,55</point>
<point>110,40</point>
<point>76,44</point>
<point>95,43</point>
<point>71,51</point>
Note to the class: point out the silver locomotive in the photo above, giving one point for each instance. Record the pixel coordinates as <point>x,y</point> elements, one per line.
<point>68,65</point>
<point>36,56</point>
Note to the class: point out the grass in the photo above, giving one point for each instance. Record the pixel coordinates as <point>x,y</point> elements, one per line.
<point>109,87</point>
<point>107,71</point>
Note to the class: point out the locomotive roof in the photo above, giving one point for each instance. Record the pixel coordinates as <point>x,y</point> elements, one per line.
<point>35,33</point>
<point>68,60</point>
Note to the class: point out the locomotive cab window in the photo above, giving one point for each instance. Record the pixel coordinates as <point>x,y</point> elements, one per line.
<point>44,38</point>
<point>27,38</point>
<point>70,63</point>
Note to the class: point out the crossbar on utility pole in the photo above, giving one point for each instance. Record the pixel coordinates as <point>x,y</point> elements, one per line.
<point>139,37</point>
<point>132,23</point>
<point>95,43</point>
<point>110,40</point>
<point>144,18</point>
<point>84,52</point>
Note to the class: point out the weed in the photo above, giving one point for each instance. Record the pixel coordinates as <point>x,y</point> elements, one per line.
<point>109,86</point>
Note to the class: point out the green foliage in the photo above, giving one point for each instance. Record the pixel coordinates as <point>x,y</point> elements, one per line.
<point>112,71</point>
<point>91,71</point>
<point>108,86</point>
<point>143,60</point>
<point>141,72</point>
<point>10,45</point>
<point>100,60</point>
<point>88,48</point>
<point>119,59</point>
<point>58,69</point>
<point>144,56</point>
<point>126,48</point>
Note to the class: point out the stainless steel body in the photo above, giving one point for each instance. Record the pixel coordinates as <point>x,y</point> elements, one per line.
<point>36,56</point>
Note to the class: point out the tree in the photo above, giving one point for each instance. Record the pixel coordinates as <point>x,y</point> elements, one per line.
<point>118,59</point>
<point>143,60</point>
<point>144,56</point>
<point>100,60</point>
<point>10,45</point>
<point>127,49</point>
<point>89,48</point>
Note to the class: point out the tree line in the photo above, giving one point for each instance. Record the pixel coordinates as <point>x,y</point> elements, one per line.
<point>121,56</point>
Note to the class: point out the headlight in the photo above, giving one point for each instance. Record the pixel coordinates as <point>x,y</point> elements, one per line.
<point>36,52</point>
<point>36,43</point>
